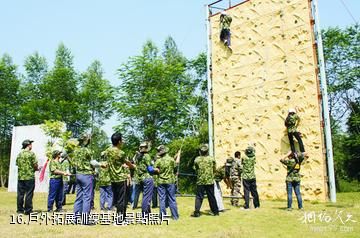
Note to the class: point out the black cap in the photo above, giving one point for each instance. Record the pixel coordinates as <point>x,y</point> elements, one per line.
<point>27,142</point>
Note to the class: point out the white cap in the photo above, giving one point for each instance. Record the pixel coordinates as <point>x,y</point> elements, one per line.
<point>292,110</point>
<point>223,13</point>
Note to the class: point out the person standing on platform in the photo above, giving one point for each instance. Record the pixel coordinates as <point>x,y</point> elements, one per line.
<point>291,122</point>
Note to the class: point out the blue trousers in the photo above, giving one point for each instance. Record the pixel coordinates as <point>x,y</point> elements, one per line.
<point>55,193</point>
<point>106,196</point>
<point>137,188</point>
<point>148,185</point>
<point>167,194</point>
<point>66,187</point>
<point>83,193</point>
<point>289,188</point>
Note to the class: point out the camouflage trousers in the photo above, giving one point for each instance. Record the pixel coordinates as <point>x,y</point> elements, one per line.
<point>236,190</point>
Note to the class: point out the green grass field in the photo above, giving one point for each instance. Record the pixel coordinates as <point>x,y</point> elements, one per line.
<point>271,220</point>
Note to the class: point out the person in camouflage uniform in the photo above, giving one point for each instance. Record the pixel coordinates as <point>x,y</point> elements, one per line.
<point>65,164</point>
<point>27,165</point>
<point>291,123</point>
<point>205,167</point>
<point>154,199</point>
<point>143,174</point>
<point>225,35</point>
<point>293,177</point>
<point>235,168</point>
<point>249,179</point>
<point>118,172</point>
<point>56,186</point>
<point>166,181</point>
<point>104,181</point>
<point>84,176</point>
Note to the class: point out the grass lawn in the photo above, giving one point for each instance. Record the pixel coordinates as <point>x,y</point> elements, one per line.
<point>271,220</point>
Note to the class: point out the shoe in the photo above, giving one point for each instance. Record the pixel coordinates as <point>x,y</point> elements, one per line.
<point>60,210</point>
<point>28,212</point>
<point>289,209</point>
<point>196,214</point>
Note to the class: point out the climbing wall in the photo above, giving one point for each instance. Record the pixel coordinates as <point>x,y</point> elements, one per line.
<point>271,68</point>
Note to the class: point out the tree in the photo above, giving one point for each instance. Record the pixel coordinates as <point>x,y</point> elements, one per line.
<point>96,95</point>
<point>31,95</point>
<point>342,58</point>
<point>9,90</point>
<point>352,142</point>
<point>155,94</point>
<point>61,100</point>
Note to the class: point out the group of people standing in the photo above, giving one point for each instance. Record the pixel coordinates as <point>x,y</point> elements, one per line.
<point>115,176</point>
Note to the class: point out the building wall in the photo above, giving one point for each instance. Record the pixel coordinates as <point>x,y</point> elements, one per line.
<point>271,68</point>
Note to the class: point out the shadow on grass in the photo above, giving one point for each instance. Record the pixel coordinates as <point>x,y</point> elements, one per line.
<point>340,206</point>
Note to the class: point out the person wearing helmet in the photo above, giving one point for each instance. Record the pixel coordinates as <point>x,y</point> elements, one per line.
<point>291,122</point>
<point>249,178</point>
<point>235,169</point>
<point>56,185</point>
<point>293,164</point>
<point>82,158</point>
<point>27,165</point>
<point>143,174</point>
<point>225,35</point>
<point>205,167</point>
<point>166,166</point>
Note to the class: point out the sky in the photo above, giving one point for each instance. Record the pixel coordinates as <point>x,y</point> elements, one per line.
<point>111,31</point>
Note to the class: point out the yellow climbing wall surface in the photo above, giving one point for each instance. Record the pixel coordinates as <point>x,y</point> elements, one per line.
<point>271,68</point>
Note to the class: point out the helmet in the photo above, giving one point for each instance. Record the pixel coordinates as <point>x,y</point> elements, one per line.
<point>250,151</point>
<point>26,142</point>
<point>223,13</point>
<point>162,150</point>
<point>144,147</point>
<point>204,148</point>
<point>55,153</point>
<point>229,161</point>
<point>292,110</point>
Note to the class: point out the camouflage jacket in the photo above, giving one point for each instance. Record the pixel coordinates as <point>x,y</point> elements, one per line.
<point>104,175</point>
<point>293,168</point>
<point>65,165</point>
<point>291,122</point>
<point>55,165</point>
<point>167,168</point>
<point>82,157</point>
<point>225,22</point>
<point>116,159</point>
<point>141,172</point>
<point>26,162</point>
<point>236,169</point>
<point>204,167</point>
<point>248,165</point>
